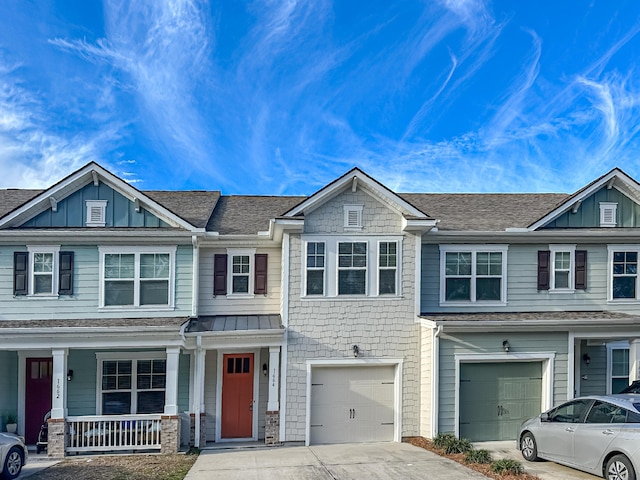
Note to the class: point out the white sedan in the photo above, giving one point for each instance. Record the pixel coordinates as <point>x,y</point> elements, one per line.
<point>597,434</point>
<point>13,455</point>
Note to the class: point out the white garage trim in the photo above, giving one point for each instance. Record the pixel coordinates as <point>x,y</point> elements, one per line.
<point>360,362</point>
<point>547,359</point>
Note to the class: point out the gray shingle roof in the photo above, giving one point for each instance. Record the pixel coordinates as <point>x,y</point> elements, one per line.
<point>248,214</point>
<point>12,198</point>
<point>170,322</point>
<point>235,323</point>
<point>485,211</point>
<point>559,317</point>
<point>194,206</point>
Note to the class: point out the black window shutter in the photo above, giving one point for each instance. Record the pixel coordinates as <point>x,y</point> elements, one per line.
<point>543,269</point>
<point>581,269</point>
<point>220,274</point>
<point>20,273</point>
<point>260,277</point>
<point>65,274</point>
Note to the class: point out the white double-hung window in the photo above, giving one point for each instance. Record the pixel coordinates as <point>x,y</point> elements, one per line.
<point>137,276</point>
<point>473,274</point>
<point>623,268</point>
<point>43,271</point>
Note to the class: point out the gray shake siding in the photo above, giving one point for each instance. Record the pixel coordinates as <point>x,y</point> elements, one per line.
<point>327,328</point>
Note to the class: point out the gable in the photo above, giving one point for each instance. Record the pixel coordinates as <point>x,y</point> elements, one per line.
<point>72,211</point>
<point>587,215</point>
<point>377,217</point>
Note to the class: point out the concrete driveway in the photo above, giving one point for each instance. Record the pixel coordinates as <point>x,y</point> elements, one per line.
<point>328,462</point>
<point>544,470</point>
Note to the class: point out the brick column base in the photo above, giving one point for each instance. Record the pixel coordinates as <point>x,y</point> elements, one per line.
<point>203,430</point>
<point>170,437</point>
<point>57,437</point>
<point>272,428</point>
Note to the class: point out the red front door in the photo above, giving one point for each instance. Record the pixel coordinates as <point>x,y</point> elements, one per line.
<point>37,396</point>
<point>237,396</point>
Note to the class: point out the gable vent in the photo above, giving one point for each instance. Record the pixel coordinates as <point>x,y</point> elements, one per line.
<point>96,213</point>
<point>353,217</point>
<point>608,214</point>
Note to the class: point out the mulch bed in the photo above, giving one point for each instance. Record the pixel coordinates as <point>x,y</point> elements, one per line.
<point>120,467</point>
<point>482,468</point>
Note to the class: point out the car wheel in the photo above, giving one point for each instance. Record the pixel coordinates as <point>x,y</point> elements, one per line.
<point>619,468</point>
<point>528,447</point>
<point>13,463</point>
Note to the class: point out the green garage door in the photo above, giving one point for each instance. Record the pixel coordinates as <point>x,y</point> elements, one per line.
<point>495,398</point>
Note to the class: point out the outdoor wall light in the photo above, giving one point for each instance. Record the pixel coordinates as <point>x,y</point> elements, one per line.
<point>70,375</point>
<point>586,358</point>
<point>265,369</point>
<point>506,346</point>
<point>356,351</point>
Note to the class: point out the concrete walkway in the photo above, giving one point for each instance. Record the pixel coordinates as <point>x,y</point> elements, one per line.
<point>372,461</point>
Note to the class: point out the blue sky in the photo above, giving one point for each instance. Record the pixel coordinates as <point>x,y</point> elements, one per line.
<point>282,97</point>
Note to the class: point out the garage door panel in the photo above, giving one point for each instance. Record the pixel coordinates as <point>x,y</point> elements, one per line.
<point>352,404</point>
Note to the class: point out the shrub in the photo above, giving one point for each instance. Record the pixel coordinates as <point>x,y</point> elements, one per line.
<point>478,456</point>
<point>461,445</point>
<point>505,466</point>
<point>443,439</point>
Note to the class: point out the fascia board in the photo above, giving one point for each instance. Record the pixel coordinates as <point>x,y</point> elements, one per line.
<point>337,186</point>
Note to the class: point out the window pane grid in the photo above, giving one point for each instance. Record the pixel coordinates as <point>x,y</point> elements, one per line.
<point>625,272</point>
<point>133,386</point>
<point>240,268</point>
<point>473,276</point>
<point>315,268</point>
<point>387,260</point>
<point>352,268</point>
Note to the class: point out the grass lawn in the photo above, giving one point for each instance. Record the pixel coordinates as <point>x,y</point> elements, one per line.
<point>120,467</point>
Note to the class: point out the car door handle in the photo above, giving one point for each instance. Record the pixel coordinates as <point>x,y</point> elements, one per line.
<point>570,429</point>
<point>608,432</point>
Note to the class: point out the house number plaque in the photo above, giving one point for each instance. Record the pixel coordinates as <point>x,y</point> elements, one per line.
<point>58,388</point>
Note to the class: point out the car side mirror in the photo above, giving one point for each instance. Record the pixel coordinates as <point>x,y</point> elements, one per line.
<point>544,417</point>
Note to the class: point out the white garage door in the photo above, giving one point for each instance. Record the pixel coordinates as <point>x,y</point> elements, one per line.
<point>352,404</point>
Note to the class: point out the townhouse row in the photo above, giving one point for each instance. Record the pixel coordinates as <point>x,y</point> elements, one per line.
<point>151,320</point>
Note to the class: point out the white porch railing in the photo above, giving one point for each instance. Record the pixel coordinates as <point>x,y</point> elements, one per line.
<point>113,433</point>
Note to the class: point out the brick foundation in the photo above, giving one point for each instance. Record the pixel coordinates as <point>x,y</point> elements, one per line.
<point>57,437</point>
<point>170,437</point>
<point>272,428</point>
<point>203,430</point>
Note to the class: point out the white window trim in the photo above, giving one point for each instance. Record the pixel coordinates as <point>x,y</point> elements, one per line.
<point>379,268</point>
<point>305,269</point>
<point>348,209</point>
<point>331,265</point>
<point>620,345</point>
<point>234,252</point>
<point>473,249</point>
<point>54,250</point>
<point>572,268</point>
<point>137,251</point>
<point>621,248</point>
<point>91,204</point>
<point>124,357</point>
<point>604,207</point>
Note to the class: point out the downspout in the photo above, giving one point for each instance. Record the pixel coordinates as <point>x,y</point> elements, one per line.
<point>285,340</point>
<point>435,380</point>
<point>195,291</point>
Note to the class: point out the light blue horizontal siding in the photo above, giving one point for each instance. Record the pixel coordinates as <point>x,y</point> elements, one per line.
<point>8,386</point>
<point>183,383</point>
<point>596,371</point>
<point>72,211</point>
<point>84,302</point>
<point>522,291</point>
<point>451,344</point>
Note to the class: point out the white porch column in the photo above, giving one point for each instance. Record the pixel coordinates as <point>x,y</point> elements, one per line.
<point>59,379</point>
<point>171,388</point>
<point>634,359</point>
<point>198,394</point>
<point>274,379</point>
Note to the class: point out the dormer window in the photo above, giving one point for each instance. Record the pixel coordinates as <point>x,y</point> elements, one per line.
<point>353,217</point>
<point>96,213</point>
<point>608,212</point>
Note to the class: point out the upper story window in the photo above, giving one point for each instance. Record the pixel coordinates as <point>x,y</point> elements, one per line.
<point>96,213</point>
<point>240,273</point>
<point>608,212</point>
<point>315,268</point>
<point>562,268</point>
<point>137,277</point>
<point>470,274</point>
<point>351,266</point>
<point>623,265</point>
<point>43,271</point>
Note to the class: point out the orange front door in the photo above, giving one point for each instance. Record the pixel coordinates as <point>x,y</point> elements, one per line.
<point>237,395</point>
